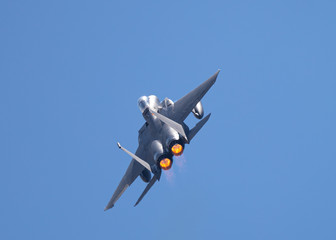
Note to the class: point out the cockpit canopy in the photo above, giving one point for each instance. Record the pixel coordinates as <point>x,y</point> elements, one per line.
<point>151,101</point>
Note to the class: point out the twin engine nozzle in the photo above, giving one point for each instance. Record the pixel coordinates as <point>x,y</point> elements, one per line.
<point>165,160</point>
<point>176,148</point>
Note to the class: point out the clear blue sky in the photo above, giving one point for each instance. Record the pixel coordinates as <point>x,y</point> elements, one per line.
<point>264,166</point>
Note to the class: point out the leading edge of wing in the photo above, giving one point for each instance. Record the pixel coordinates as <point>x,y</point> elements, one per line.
<point>133,171</point>
<point>185,105</point>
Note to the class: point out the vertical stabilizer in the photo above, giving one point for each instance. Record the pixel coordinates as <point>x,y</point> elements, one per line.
<point>149,185</point>
<point>198,127</point>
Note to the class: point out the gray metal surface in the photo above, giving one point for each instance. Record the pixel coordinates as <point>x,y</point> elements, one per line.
<point>163,128</point>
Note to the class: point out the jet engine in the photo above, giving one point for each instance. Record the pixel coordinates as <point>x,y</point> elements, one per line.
<point>198,110</point>
<point>174,144</point>
<point>176,147</point>
<point>163,159</point>
<point>166,163</point>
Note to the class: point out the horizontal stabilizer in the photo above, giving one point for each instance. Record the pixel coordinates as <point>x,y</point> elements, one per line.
<point>198,127</point>
<point>133,171</point>
<point>149,185</point>
<point>174,125</point>
<point>135,157</point>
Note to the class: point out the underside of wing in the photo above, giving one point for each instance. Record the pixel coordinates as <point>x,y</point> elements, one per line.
<point>132,172</point>
<point>185,105</point>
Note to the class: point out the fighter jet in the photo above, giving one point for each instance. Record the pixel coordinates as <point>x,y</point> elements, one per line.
<point>163,136</point>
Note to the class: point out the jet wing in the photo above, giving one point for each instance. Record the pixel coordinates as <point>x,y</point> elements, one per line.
<point>185,105</point>
<point>132,172</point>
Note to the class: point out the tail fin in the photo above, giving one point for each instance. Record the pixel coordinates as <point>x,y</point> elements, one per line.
<point>149,185</point>
<point>198,127</point>
<point>174,125</point>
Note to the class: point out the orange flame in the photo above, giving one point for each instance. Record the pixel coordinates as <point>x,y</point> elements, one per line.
<point>165,163</point>
<point>177,149</point>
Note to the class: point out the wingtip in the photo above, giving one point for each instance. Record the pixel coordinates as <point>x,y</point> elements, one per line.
<point>136,204</point>
<point>213,78</point>
<point>119,146</point>
<point>108,207</point>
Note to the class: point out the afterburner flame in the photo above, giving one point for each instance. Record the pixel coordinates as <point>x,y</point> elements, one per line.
<point>177,149</point>
<point>165,163</point>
